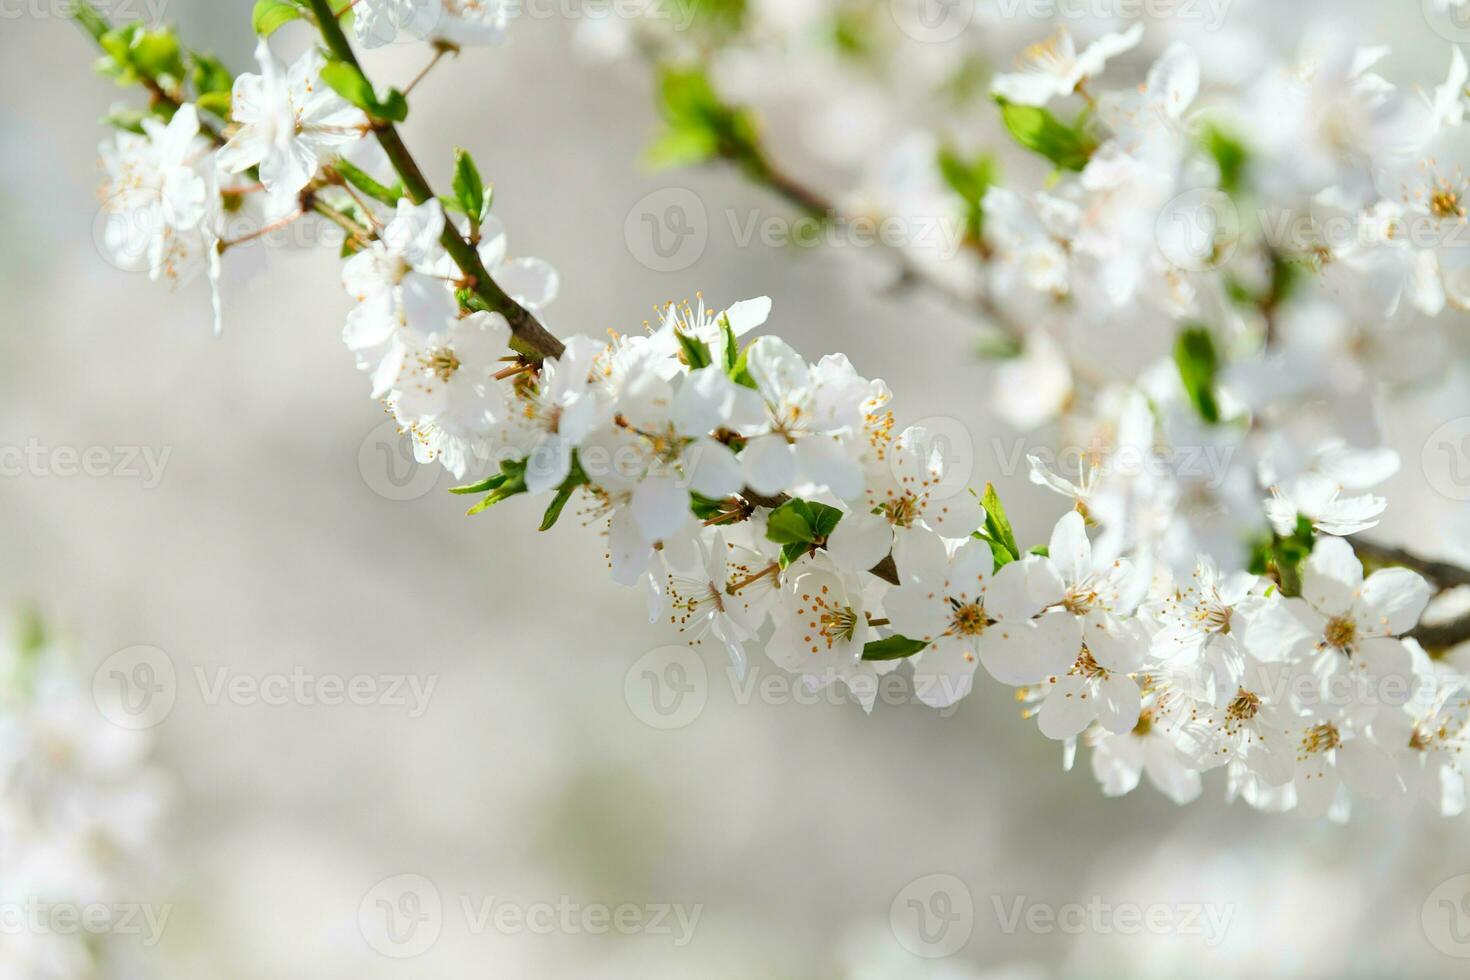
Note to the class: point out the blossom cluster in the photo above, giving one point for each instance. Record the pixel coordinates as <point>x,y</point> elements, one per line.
<point>1176,621</point>
<point>79,813</point>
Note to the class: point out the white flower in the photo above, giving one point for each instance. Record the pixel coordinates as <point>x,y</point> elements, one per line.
<point>1090,625</point>
<point>1120,760</point>
<point>1053,68</point>
<point>446,385</point>
<point>287,123</point>
<point>722,597</point>
<point>156,196</point>
<point>814,415</point>
<point>903,490</point>
<point>400,297</point>
<point>1342,633</point>
<point>1150,122</point>
<point>556,414</point>
<point>532,283</point>
<point>967,614</point>
<point>821,627</point>
<point>1199,642</point>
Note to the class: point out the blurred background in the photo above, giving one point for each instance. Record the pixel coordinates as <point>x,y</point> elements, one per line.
<point>283,533</point>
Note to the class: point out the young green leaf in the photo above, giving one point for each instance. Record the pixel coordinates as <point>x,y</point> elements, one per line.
<point>468,188</point>
<point>270,15</point>
<point>970,179</point>
<point>696,351</point>
<point>1035,128</point>
<point>791,523</point>
<point>892,648</point>
<point>998,529</point>
<point>364,182</point>
<point>1198,363</point>
<point>348,81</point>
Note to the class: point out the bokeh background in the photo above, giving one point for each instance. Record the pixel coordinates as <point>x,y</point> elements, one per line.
<point>288,532</point>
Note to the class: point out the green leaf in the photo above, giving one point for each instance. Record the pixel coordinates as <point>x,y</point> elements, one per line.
<point>823,519</point>
<point>348,81</point>
<point>696,351</point>
<point>487,484</point>
<point>1035,128</point>
<point>215,102</point>
<point>1230,156</point>
<point>681,148</point>
<point>740,372</point>
<point>700,126</point>
<point>90,20</point>
<point>892,648</point>
<point>157,54</point>
<point>1199,363</point>
<point>732,344</point>
<point>553,512</point>
<point>705,508</point>
<point>270,15</point>
<point>468,188</point>
<point>1041,550</point>
<point>970,179</point>
<point>362,181</point>
<point>209,75</point>
<point>998,529</point>
<point>791,523</point>
<point>793,551</point>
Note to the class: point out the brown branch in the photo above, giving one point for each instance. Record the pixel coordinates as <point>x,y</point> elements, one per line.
<point>1437,638</point>
<point>532,337</point>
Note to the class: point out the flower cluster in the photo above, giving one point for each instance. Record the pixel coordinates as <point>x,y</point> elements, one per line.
<point>79,813</point>
<point>1181,618</point>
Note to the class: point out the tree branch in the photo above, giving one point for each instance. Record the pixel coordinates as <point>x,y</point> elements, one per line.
<point>1434,637</point>
<point>534,339</point>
